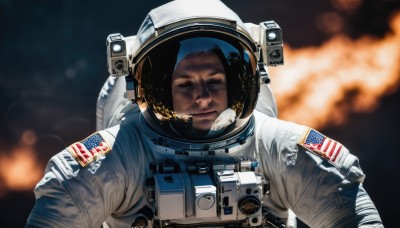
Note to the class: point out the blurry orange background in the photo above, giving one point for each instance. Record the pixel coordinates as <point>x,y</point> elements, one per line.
<point>336,74</point>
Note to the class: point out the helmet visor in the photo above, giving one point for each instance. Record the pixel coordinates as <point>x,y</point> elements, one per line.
<point>197,87</point>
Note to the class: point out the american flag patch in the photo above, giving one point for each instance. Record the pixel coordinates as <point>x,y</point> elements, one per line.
<point>88,149</point>
<point>322,145</point>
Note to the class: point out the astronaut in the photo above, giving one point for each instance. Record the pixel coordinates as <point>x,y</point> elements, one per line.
<point>191,138</point>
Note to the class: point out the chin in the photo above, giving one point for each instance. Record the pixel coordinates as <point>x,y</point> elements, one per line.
<point>204,125</point>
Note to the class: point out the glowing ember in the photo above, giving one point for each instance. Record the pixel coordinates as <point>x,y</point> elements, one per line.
<point>330,23</point>
<point>20,170</point>
<point>321,85</point>
<point>347,5</point>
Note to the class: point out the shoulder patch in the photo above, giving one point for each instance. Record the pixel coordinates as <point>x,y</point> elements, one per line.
<point>321,145</point>
<point>88,149</point>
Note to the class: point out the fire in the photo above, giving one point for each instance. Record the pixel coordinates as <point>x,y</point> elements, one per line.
<point>321,85</point>
<point>20,170</point>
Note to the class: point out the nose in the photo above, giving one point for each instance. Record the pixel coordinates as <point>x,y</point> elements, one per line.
<point>203,96</point>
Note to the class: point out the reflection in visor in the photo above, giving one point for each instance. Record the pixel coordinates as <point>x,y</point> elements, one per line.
<point>197,87</point>
<point>205,44</point>
<point>224,119</point>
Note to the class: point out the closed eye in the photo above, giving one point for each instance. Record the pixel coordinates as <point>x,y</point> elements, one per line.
<point>214,81</point>
<point>216,78</point>
<point>185,84</point>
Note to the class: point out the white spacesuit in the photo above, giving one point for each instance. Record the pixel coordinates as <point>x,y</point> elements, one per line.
<point>201,145</point>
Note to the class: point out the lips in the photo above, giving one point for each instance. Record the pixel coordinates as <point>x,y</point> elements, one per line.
<point>204,114</point>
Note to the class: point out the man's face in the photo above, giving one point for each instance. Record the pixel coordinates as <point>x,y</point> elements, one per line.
<point>199,89</point>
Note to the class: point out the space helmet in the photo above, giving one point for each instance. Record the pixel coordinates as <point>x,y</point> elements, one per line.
<point>194,71</point>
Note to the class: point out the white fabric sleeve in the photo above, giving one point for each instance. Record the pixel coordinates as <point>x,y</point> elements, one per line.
<point>320,193</point>
<point>73,196</point>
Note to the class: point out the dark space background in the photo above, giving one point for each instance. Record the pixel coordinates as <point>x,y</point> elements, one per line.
<point>53,64</point>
